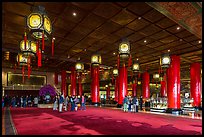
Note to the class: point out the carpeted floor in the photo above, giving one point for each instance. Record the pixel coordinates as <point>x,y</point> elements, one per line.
<point>100,121</point>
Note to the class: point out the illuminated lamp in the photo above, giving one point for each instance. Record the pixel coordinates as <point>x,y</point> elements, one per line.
<point>30,48</point>
<point>22,59</point>
<point>156,76</point>
<point>135,67</point>
<point>165,61</point>
<point>124,49</point>
<point>95,60</point>
<point>79,67</point>
<point>115,72</point>
<point>39,23</point>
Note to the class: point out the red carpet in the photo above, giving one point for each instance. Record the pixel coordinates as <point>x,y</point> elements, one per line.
<point>100,121</point>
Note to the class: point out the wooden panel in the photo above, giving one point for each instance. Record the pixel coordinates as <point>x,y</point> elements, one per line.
<point>139,8</point>
<point>150,16</point>
<point>123,18</point>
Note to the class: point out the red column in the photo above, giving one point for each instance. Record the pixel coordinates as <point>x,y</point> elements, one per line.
<point>145,85</point>
<point>95,85</point>
<point>80,85</point>
<point>56,78</point>
<point>116,89</point>
<point>195,73</point>
<point>134,91</point>
<point>122,84</point>
<point>73,81</point>
<point>173,85</point>
<point>108,92</point>
<point>63,83</point>
<point>163,87</point>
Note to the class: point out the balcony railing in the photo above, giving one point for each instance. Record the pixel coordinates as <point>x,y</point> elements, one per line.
<point>23,87</point>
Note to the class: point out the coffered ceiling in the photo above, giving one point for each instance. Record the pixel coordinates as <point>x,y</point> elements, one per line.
<point>99,27</point>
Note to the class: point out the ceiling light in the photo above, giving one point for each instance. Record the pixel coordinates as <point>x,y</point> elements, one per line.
<point>168,50</point>
<point>178,28</point>
<point>84,49</point>
<point>53,38</point>
<point>113,53</point>
<point>137,59</point>
<point>199,41</point>
<point>68,56</point>
<point>78,58</point>
<point>139,18</point>
<point>180,40</point>
<point>145,41</point>
<point>74,14</point>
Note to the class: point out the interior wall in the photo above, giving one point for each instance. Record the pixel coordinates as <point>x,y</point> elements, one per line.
<point>50,75</point>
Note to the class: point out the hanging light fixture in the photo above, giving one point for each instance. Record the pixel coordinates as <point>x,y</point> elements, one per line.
<point>165,60</point>
<point>136,67</point>
<point>124,53</point>
<point>39,23</point>
<point>21,59</point>
<point>30,48</point>
<point>156,76</point>
<point>115,72</point>
<point>96,60</point>
<point>79,67</point>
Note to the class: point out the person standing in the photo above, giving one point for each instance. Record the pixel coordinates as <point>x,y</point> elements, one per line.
<point>141,102</point>
<point>2,102</point>
<point>61,100</point>
<point>66,101</point>
<point>134,101</point>
<point>35,101</point>
<point>137,104</point>
<point>83,101</point>
<point>55,103</point>
<point>125,104</point>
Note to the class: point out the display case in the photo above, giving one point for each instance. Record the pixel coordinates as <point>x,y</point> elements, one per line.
<point>158,104</point>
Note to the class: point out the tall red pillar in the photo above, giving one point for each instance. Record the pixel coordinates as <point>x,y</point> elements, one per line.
<point>134,89</point>
<point>173,91</point>
<point>163,87</point>
<point>108,93</point>
<point>56,78</point>
<point>145,85</point>
<point>195,74</point>
<point>95,85</point>
<point>73,81</point>
<point>116,89</point>
<point>63,83</point>
<point>80,85</point>
<point>122,84</point>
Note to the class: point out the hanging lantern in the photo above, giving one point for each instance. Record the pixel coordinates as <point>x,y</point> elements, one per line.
<point>135,67</point>
<point>96,60</point>
<point>156,76</point>
<point>79,67</point>
<point>39,23</point>
<point>30,48</point>
<point>124,49</point>
<point>165,61</point>
<point>115,72</point>
<point>22,59</point>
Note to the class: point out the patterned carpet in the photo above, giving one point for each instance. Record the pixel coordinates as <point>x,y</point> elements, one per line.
<point>100,121</point>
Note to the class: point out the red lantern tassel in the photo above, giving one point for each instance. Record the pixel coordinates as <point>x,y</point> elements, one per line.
<point>39,59</point>
<point>118,62</point>
<point>23,73</point>
<point>37,48</point>
<point>29,60</point>
<point>138,75</point>
<point>52,47</point>
<point>25,39</point>
<point>130,61</point>
<point>43,41</point>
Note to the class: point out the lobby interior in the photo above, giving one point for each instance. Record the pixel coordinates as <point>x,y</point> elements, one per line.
<point>83,52</point>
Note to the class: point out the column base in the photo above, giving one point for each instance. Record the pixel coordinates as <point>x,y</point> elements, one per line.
<point>174,111</point>
<point>96,104</point>
<point>119,106</point>
<point>197,108</point>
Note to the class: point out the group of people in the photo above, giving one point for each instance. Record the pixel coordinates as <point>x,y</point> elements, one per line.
<point>71,103</point>
<point>131,104</point>
<point>22,101</point>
